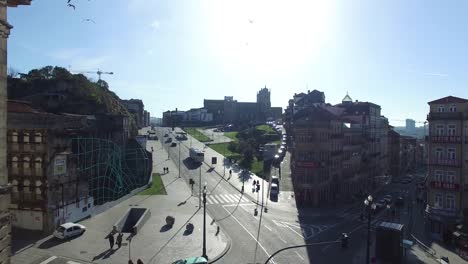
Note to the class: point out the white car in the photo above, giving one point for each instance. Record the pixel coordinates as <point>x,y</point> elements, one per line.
<point>67,230</point>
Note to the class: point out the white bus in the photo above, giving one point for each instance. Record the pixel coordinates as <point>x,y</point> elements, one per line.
<point>197,155</point>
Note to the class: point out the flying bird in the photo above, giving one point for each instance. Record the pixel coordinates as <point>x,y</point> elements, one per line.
<point>70,5</point>
<point>250,21</point>
<point>88,20</point>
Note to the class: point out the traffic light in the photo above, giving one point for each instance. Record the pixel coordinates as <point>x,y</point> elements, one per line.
<point>344,240</point>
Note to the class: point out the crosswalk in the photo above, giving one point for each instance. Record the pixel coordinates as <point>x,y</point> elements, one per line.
<point>58,260</point>
<point>226,199</point>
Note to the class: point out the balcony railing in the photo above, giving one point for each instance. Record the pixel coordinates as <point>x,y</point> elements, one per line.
<point>445,186</point>
<point>446,139</point>
<point>453,163</point>
<point>445,115</point>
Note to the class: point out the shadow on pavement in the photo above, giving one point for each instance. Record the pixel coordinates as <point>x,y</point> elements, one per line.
<point>22,238</point>
<point>165,228</point>
<point>52,242</point>
<point>105,254</point>
<point>187,232</point>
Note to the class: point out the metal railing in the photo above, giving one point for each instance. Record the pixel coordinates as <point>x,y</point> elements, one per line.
<point>430,251</point>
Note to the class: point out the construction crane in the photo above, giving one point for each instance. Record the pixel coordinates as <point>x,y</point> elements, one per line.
<point>98,72</point>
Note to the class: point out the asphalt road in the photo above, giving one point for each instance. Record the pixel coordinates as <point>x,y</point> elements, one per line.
<point>273,230</point>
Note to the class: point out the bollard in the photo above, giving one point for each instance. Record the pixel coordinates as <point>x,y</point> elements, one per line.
<point>266,210</point>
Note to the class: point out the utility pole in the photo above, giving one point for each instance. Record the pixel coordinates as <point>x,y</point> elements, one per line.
<point>199,185</point>
<point>204,224</point>
<point>179,157</point>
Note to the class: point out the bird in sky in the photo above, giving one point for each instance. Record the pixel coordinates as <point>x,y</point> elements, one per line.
<point>70,5</point>
<point>88,20</point>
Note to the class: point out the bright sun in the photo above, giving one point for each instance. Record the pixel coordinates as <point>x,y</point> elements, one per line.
<point>268,37</point>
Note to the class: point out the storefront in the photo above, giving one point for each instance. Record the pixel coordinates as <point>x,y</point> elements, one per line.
<point>441,223</point>
<point>460,239</point>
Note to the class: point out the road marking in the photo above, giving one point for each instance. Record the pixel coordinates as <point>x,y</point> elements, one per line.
<point>282,240</point>
<point>230,197</point>
<point>299,255</point>
<point>267,227</point>
<point>48,260</point>
<point>222,198</point>
<point>209,200</point>
<point>237,220</point>
<point>214,199</point>
<point>72,262</point>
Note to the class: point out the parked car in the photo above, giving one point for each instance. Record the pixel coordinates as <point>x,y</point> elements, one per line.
<point>193,260</point>
<point>275,179</point>
<point>169,140</point>
<point>274,191</point>
<point>166,135</point>
<point>68,230</point>
<point>173,144</point>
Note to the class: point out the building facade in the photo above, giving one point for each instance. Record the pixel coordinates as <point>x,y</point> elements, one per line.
<point>46,187</point>
<point>447,183</point>
<point>137,108</point>
<point>5,224</point>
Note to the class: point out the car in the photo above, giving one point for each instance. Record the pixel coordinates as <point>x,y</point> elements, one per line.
<point>169,140</point>
<point>193,260</point>
<point>275,179</point>
<point>173,144</point>
<point>69,230</point>
<point>274,191</point>
<point>166,135</point>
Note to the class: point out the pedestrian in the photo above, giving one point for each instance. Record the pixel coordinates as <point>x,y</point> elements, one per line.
<point>254,183</point>
<point>130,261</point>
<point>139,261</point>
<point>119,240</point>
<point>111,240</point>
<point>167,169</point>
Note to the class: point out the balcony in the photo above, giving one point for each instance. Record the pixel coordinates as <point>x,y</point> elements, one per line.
<point>446,139</point>
<point>450,163</point>
<point>310,164</point>
<point>445,186</point>
<point>445,116</point>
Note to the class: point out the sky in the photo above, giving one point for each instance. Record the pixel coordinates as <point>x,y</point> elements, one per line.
<point>399,54</point>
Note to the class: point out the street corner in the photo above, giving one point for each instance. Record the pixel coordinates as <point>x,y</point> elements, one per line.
<point>218,242</point>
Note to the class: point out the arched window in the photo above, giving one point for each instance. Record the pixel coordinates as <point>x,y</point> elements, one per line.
<point>25,137</point>
<point>26,162</point>
<point>26,186</point>
<point>38,138</point>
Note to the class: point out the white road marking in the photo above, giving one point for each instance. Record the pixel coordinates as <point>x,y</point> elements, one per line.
<point>72,262</point>
<point>222,198</point>
<point>267,227</point>
<point>209,200</point>
<point>299,255</point>
<point>48,260</point>
<point>282,240</point>
<point>230,197</point>
<point>237,220</point>
<point>214,198</point>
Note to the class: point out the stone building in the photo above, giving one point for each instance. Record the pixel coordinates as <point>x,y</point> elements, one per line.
<point>447,180</point>
<point>5,227</point>
<point>137,108</point>
<point>46,187</point>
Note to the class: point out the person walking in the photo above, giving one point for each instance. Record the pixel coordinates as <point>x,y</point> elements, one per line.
<point>139,261</point>
<point>119,240</point>
<point>130,261</point>
<point>111,240</point>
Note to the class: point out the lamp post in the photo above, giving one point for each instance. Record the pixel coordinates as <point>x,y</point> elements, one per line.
<point>204,223</point>
<point>370,206</point>
<point>179,157</point>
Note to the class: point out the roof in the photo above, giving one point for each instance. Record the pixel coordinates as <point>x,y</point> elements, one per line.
<point>347,98</point>
<point>448,99</point>
<point>14,106</point>
<point>68,225</point>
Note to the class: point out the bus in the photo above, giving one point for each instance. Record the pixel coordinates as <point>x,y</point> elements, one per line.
<point>197,155</point>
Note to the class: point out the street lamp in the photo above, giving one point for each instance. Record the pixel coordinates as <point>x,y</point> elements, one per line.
<point>204,222</point>
<point>179,157</point>
<point>370,206</point>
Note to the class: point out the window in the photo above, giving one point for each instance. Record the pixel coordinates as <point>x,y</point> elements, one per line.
<point>26,162</point>
<point>451,154</point>
<point>453,108</point>
<point>14,137</point>
<point>450,177</point>
<point>439,153</point>
<point>440,108</point>
<point>14,162</point>
<point>25,137</point>
<point>451,130</point>
<point>38,138</point>
<point>438,202</point>
<point>450,201</point>
<point>38,163</point>
<point>438,175</point>
<point>439,130</point>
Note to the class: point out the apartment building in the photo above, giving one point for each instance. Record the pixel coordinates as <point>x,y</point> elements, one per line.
<point>447,184</point>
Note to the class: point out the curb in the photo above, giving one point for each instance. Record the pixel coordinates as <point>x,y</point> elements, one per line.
<point>225,251</point>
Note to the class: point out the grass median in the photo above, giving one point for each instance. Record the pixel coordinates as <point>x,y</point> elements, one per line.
<point>197,134</point>
<point>156,188</point>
